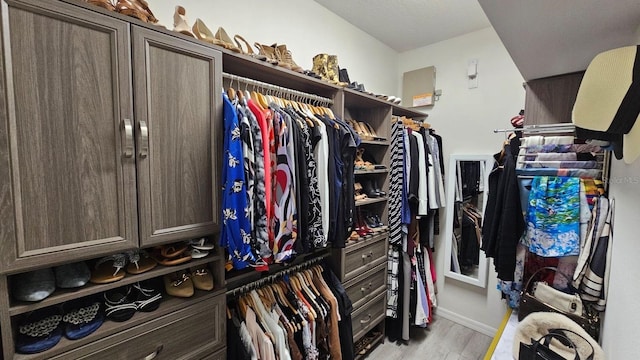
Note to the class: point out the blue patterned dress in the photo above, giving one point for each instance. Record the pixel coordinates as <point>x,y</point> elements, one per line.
<point>553,216</point>
<point>236,222</point>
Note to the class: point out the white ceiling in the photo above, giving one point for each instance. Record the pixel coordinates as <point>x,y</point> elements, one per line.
<point>409,24</point>
<point>551,37</point>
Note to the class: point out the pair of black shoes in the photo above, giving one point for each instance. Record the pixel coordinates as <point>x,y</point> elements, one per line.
<point>372,189</point>
<point>373,221</point>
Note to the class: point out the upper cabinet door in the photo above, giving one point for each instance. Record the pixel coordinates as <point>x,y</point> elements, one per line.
<point>67,171</point>
<point>177,86</point>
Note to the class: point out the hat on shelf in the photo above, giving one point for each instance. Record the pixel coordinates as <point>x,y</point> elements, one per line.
<point>608,103</point>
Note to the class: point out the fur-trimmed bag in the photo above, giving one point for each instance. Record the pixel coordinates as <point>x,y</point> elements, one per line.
<point>537,325</point>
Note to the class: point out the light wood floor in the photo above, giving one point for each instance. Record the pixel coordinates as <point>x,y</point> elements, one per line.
<point>444,340</point>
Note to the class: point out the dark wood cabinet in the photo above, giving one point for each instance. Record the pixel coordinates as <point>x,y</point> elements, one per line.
<point>176,85</point>
<point>67,171</point>
<point>550,100</point>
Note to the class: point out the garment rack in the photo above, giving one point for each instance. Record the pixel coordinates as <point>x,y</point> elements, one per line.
<point>272,278</point>
<point>541,129</point>
<point>255,83</point>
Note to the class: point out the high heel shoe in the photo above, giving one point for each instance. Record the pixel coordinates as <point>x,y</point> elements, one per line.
<point>202,32</point>
<point>371,131</point>
<point>138,9</point>
<point>250,52</point>
<point>105,4</point>
<point>320,65</point>
<point>358,195</point>
<point>180,22</point>
<point>368,188</point>
<point>223,37</point>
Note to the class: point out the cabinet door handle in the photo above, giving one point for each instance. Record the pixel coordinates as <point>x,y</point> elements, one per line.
<point>128,138</point>
<point>154,354</point>
<point>144,139</point>
<point>367,320</point>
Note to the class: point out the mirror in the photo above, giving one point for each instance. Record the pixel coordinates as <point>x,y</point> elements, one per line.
<point>466,200</point>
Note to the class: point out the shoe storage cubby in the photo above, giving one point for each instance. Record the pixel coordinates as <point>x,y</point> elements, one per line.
<point>96,345</point>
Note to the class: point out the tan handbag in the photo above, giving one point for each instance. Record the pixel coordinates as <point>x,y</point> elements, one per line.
<point>559,303</point>
<point>560,300</point>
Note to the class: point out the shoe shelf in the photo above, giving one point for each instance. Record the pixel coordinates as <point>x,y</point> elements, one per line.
<point>369,201</point>
<point>246,66</point>
<point>403,111</point>
<point>62,295</point>
<point>368,172</point>
<point>375,142</point>
<point>369,343</point>
<point>168,305</point>
<point>358,99</point>
<point>367,239</point>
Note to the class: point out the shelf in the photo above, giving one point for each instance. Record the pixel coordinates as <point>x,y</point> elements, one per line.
<point>62,295</point>
<point>246,66</point>
<point>403,111</point>
<point>354,245</point>
<point>370,201</point>
<point>168,305</point>
<point>368,172</point>
<point>358,99</point>
<point>375,142</point>
<point>377,339</point>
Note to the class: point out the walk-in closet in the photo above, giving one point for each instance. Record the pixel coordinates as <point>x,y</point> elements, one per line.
<point>319,179</point>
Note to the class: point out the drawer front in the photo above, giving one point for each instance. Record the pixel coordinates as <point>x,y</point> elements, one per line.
<point>189,333</point>
<point>369,315</point>
<point>365,287</point>
<point>360,260</point>
<point>218,355</point>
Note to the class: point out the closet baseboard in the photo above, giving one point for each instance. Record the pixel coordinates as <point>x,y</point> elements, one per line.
<point>465,321</point>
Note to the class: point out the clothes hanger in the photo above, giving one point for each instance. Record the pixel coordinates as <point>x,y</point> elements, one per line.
<point>231,93</point>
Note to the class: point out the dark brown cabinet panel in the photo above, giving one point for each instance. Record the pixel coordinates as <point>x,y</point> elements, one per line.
<point>68,190</point>
<point>178,94</point>
<point>550,100</point>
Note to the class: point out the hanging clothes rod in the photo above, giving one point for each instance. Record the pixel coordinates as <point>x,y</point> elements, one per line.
<point>541,129</point>
<point>272,278</point>
<point>256,83</point>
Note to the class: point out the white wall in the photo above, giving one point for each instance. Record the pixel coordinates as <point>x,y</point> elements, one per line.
<point>305,27</point>
<point>622,321</point>
<point>465,118</point>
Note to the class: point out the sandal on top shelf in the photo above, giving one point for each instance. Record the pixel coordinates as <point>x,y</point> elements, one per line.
<point>140,262</point>
<point>270,53</point>
<point>249,51</point>
<point>202,244</point>
<point>180,22</point>
<point>202,32</point>
<point>223,37</point>
<point>171,254</point>
<point>103,271</point>
<point>138,9</point>
<point>105,4</point>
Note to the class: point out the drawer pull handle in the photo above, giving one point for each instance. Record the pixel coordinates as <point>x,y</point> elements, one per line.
<point>367,320</point>
<point>365,256</point>
<point>144,139</point>
<point>363,289</point>
<point>154,354</point>
<point>128,138</point>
